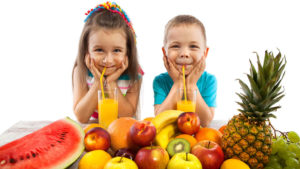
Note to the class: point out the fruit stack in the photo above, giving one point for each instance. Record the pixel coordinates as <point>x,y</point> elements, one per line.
<point>171,140</point>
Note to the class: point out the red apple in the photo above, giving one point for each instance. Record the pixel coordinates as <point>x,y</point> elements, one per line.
<point>142,133</point>
<point>97,139</point>
<point>188,123</point>
<point>152,157</point>
<point>209,153</point>
<point>125,152</point>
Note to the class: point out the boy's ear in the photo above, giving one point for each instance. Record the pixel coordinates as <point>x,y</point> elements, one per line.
<point>164,51</point>
<point>206,52</point>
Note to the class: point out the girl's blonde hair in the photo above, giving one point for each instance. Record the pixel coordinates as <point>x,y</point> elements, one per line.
<point>107,20</point>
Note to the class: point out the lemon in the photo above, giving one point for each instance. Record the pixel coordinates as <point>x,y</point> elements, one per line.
<point>234,164</point>
<point>94,160</point>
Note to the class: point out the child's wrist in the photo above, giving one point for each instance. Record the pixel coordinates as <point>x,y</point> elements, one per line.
<point>112,85</point>
<point>191,86</point>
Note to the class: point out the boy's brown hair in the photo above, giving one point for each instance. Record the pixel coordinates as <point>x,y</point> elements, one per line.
<point>184,20</point>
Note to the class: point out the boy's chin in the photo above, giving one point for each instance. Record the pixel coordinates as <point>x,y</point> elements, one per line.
<point>187,69</point>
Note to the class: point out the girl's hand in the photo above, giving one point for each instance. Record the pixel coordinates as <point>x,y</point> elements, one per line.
<point>115,76</point>
<point>90,63</point>
<point>196,73</point>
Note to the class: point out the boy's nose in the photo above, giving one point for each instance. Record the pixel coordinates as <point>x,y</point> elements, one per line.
<point>184,53</point>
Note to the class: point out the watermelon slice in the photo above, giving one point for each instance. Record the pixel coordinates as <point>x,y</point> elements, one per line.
<point>56,145</point>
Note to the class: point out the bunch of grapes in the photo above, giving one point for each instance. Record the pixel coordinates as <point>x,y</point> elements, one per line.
<point>285,152</point>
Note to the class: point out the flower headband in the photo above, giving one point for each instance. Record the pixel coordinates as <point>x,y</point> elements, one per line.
<point>112,7</point>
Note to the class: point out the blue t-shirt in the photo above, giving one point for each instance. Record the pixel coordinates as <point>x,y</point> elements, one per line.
<point>207,85</point>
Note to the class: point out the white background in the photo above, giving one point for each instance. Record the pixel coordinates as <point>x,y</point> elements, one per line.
<point>39,43</point>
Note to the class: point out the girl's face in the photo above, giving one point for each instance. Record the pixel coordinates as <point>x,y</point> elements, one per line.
<point>107,47</point>
<point>185,45</point>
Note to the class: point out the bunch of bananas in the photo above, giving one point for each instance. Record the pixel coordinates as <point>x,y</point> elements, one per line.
<point>166,127</point>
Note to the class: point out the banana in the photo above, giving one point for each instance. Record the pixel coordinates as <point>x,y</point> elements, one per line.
<point>165,118</point>
<point>166,135</point>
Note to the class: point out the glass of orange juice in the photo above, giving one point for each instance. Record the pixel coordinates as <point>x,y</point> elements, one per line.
<point>107,106</point>
<point>186,103</point>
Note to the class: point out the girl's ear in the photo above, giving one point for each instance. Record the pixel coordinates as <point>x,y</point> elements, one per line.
<point>206,52</point>
<point>164,51</point>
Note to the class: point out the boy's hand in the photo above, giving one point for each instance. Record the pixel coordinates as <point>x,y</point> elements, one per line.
<point>91,66</point>
<point>173,72</point>
<point>115,76</point>
<point>196,73</point>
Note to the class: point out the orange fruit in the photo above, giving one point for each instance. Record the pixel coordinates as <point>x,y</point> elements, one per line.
<point>94,160</point>
<point>119,133</point>
<point>209,134</point>
<point>189,138</point>
<point>148,119</point>
<point>90,126</point>
<point>221,129</point>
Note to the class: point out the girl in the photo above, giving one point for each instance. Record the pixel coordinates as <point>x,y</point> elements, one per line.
<point>107,41</point>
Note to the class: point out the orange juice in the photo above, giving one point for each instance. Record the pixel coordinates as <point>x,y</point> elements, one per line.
<point>108,111</point>
<point>186,106</point>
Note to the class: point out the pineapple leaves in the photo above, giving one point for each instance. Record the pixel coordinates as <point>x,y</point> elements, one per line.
<point>265,88</point>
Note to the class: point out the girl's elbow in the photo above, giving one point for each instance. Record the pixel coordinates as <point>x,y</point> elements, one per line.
<point>79,118</point>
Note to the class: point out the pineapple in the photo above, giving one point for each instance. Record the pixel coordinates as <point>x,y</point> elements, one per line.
<point>248,135</point>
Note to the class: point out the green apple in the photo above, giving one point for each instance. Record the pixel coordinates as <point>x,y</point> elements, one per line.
<point>184,161</point>
<point>120,163</point>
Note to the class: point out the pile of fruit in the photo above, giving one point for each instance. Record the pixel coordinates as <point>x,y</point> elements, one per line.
<point>171,140</point>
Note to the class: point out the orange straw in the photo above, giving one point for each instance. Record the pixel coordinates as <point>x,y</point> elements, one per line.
<point>101,83</point>
<point>184,88</point>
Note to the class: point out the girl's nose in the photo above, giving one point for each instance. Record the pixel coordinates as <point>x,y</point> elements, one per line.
<point>108,59</point>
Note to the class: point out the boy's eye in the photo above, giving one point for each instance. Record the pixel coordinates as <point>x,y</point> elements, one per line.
<point>175,46</point>
<point>194,46</point>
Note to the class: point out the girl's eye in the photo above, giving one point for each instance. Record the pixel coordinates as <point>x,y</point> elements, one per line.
<point>117,50</point>
<point>99,50</point>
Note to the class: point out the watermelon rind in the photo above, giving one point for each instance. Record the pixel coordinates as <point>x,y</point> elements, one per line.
<point>80,149</point>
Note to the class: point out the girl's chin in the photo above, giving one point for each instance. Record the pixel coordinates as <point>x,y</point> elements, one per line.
<point>109,71</point>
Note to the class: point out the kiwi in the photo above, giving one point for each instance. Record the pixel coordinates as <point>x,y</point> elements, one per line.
<point>178,145</point>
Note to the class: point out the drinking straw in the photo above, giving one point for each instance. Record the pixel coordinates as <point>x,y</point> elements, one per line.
<point>101,83</point>
<point>184,88</point>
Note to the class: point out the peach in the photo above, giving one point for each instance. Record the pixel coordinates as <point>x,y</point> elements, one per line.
<point>188,123</point>
<point>97,139</point>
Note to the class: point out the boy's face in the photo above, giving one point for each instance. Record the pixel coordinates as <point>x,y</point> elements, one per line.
<point>185,45</point>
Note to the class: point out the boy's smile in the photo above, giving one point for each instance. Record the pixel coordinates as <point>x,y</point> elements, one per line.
<point>108,49</point>
<point>185,45</point>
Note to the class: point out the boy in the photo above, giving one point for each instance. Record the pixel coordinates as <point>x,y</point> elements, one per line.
<point>185,45</point>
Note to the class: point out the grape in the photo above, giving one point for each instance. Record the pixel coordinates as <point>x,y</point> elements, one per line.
<point>274,159</point>
<point>293,137</point>
<point>283,153</point>
<point>275,147</point>
<point>288,167</point>
<point>294,148</point>
<point>292,162</point>
<point>268,167</point>
<point>275,165</point>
